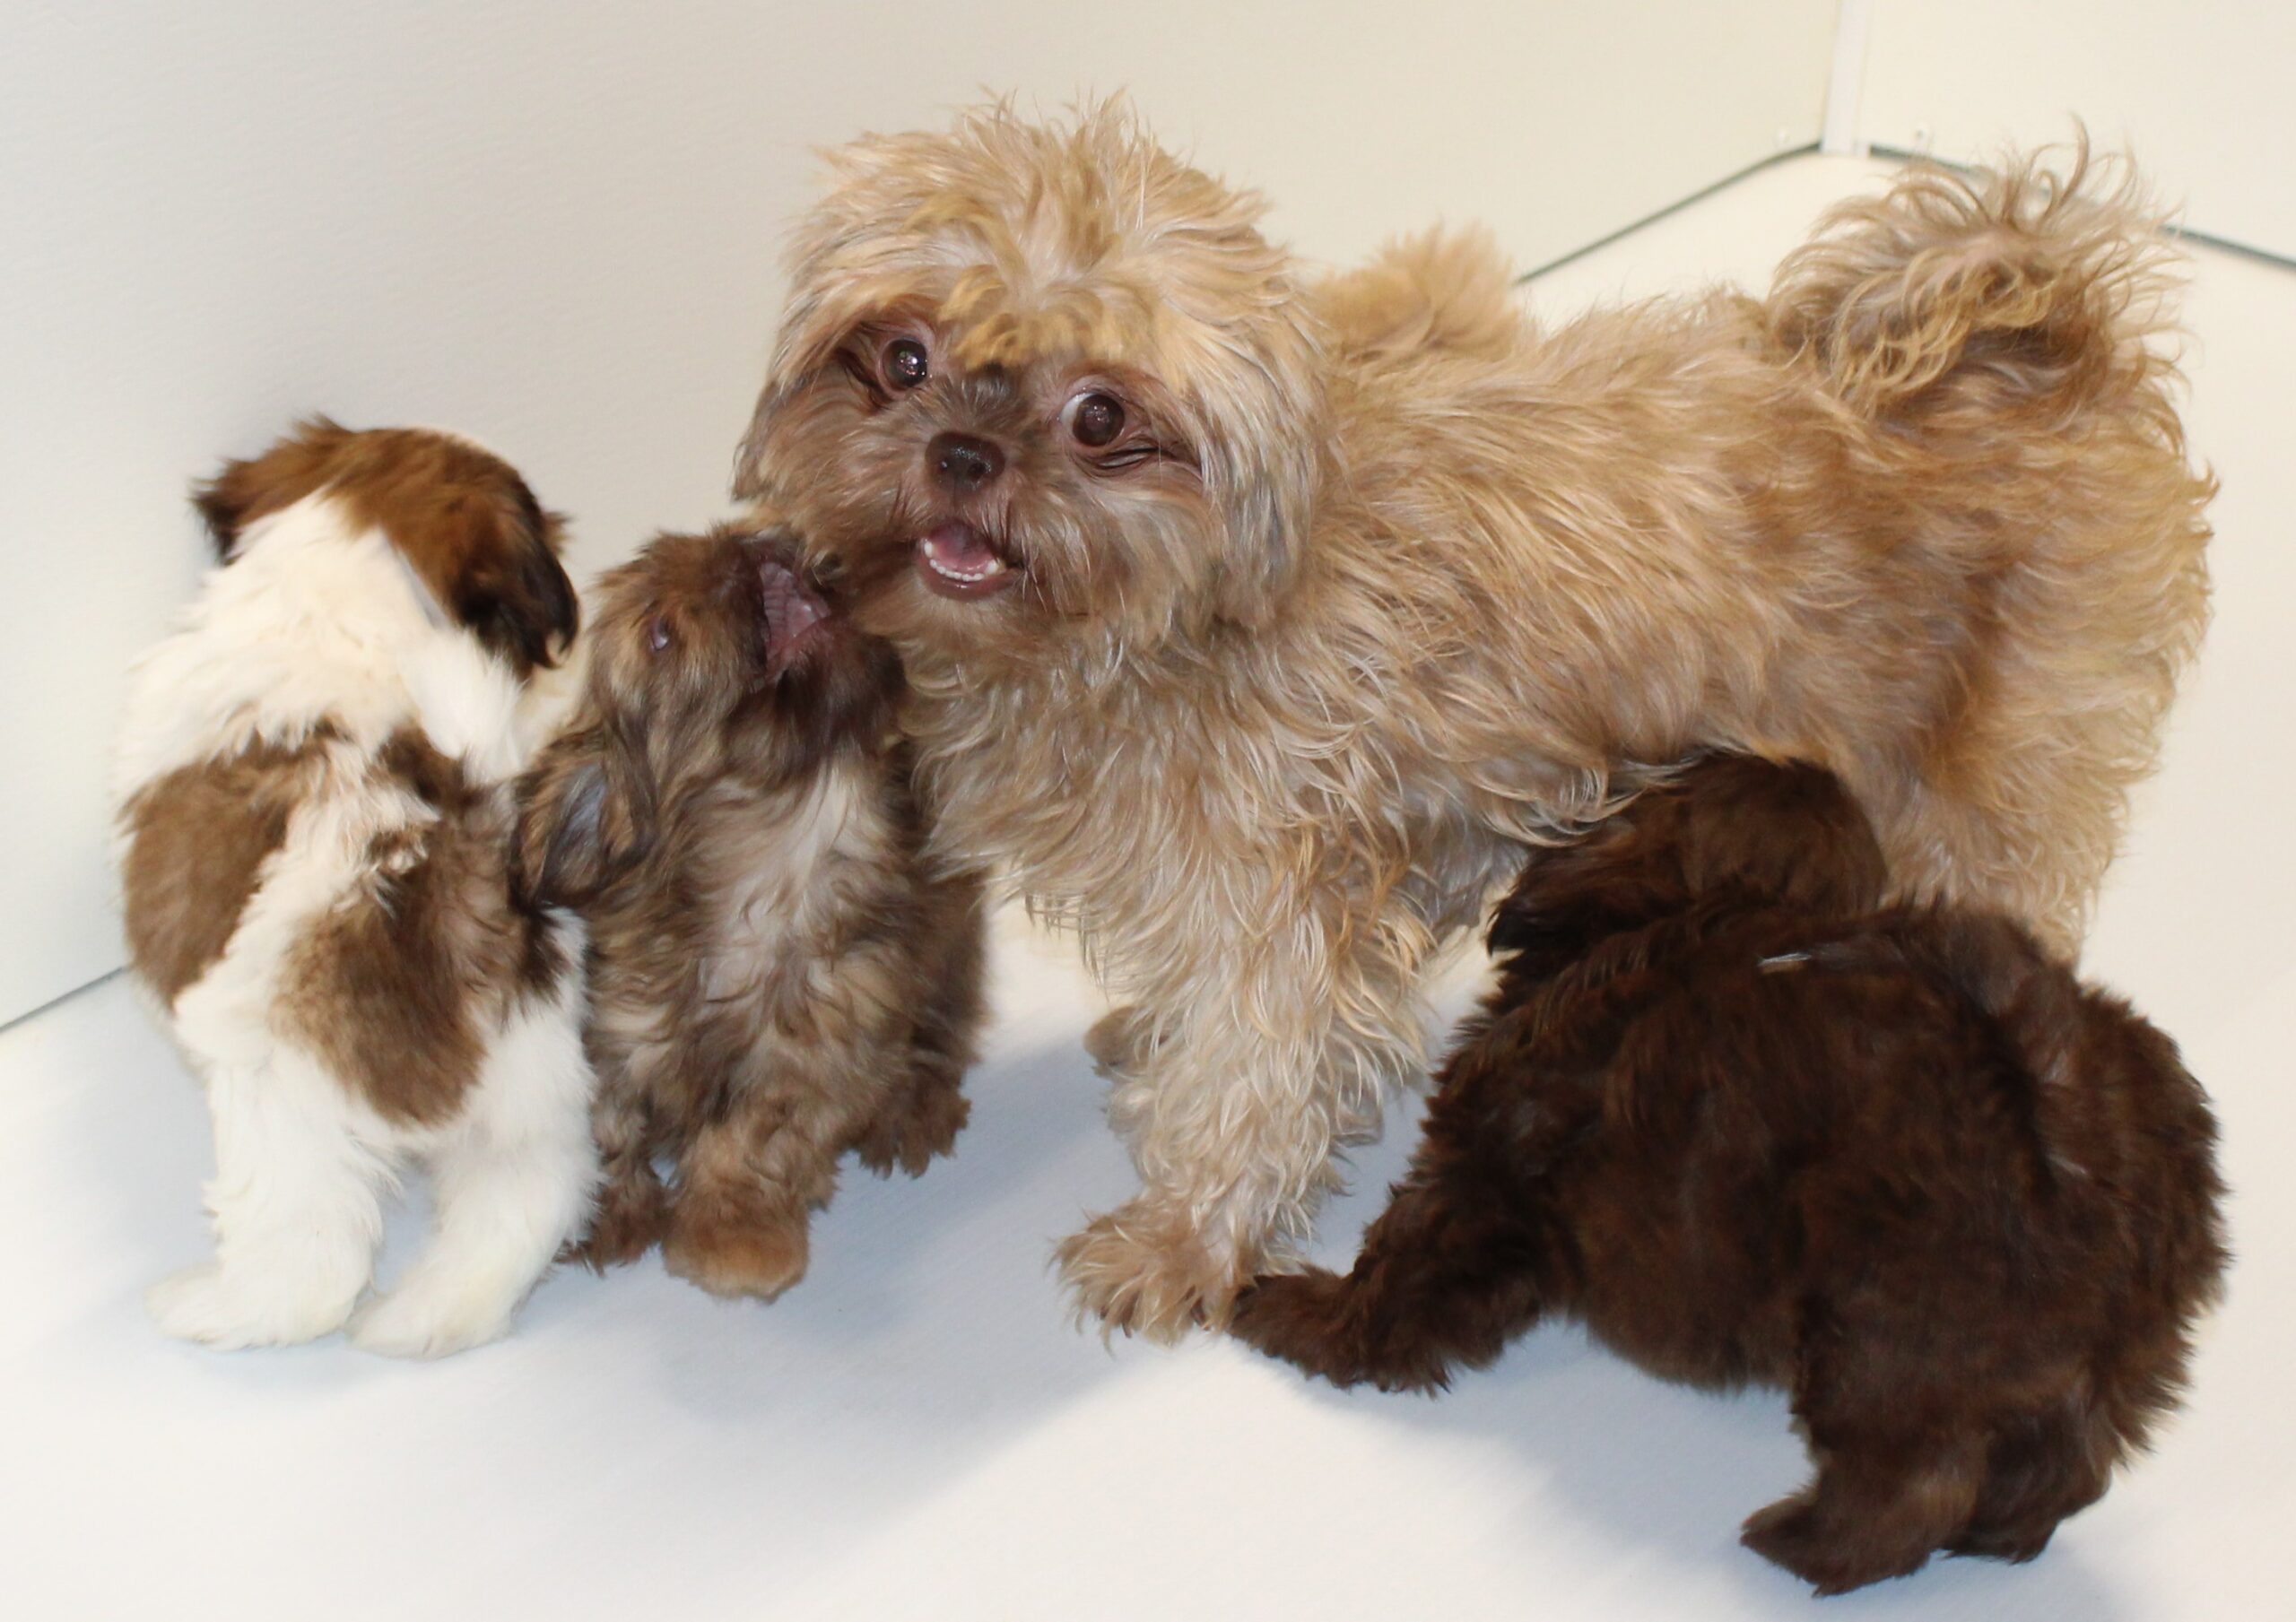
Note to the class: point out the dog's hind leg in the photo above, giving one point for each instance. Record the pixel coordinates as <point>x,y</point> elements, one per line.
<point>1883,1502</point>
<point>513,1180</point>
<point>1899,1441</point>
<point>2040,1467</point>
<point>297,1205</point>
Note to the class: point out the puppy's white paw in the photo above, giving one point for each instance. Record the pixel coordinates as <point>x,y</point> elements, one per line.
<point>432,1315</point>
<point>230,1310</point>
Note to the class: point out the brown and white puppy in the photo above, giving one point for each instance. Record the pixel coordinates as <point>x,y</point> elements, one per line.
<point>1256,624</point>
<point>315,790</point>
<point>777,973</point>
<point>1747,1128</point>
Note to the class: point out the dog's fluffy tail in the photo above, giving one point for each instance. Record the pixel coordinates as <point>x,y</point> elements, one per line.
<point>2051,283</point>
<point>1446,290</point>
<point>1991,348</point>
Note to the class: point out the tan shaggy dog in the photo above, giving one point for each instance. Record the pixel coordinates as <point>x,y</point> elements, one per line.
<point>1257,623</point>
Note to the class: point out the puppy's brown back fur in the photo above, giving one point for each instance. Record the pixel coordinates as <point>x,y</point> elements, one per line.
<point>1901,1164</point>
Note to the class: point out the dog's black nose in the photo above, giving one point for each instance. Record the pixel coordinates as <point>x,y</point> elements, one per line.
<point>963,462</point>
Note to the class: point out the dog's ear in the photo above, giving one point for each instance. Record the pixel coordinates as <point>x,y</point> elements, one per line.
<point>749,456</point>
<point>487,552</point>
<point>1263,464</point>
<point>586,815</point>
<point>1783,831</point>
<point>1619,875</point>
<point>512,591</point>
<point>253,487</point>
<point>222,503</point>
<point>822,310</point>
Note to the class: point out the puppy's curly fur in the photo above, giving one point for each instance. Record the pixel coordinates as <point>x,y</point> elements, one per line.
<point>1257,623</point>
<point>777,973</point>
<point>1899,1163</point>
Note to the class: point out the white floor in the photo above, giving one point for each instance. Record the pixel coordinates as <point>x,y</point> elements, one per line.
<point>918,1428</point>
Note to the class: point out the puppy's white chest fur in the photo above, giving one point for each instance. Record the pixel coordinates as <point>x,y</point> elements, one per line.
<point>783,866</point>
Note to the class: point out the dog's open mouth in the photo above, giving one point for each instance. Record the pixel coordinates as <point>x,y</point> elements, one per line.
<point>794,615</point>
<point>957,560</point>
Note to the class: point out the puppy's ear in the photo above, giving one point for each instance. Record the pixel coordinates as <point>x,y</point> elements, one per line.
<point>586,815</point>
<point>243,490</point>
<point>512,591</point>
<point>1619,875</point>
<point>1786,832</point>
<point>222,504</point>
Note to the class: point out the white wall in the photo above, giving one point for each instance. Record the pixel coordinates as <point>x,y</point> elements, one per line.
<point>554,223</point>
<point>2198,89</point>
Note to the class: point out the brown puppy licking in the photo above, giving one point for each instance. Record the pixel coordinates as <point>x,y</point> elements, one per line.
<point>778,974</point>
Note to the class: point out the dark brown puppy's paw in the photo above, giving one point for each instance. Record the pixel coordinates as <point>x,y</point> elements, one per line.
<point>2014,1544</point>
<point>735,1252</point>
<point>1798,1534</point>
<point>1313,1320</point>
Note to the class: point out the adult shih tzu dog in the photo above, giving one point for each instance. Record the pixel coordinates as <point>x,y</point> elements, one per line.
<point>1255,623</point>
<point>314,786</point>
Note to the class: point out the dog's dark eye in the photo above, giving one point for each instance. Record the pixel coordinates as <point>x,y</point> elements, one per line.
<point>1095,419</point>
<point>658,633</point>
<point>906,366</point>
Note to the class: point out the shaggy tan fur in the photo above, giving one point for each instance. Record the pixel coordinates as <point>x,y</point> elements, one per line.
<point>1375,580</point>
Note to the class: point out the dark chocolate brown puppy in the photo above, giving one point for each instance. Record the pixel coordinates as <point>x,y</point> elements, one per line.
<point>1748,1129</point>
<point>777,973</point>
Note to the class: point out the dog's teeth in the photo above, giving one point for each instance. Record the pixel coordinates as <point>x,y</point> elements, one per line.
<point>992,566</point>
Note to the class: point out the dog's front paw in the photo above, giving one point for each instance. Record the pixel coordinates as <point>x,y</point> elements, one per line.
<point>734,1252</point>
<point>1834,1552</point>
<point>229,1310</point>
<point>1325,1323</point>
<point>1143,1269</point>
<point>1302,1318</point>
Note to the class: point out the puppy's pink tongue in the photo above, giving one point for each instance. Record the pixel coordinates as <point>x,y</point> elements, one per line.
<point>956,561</point>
